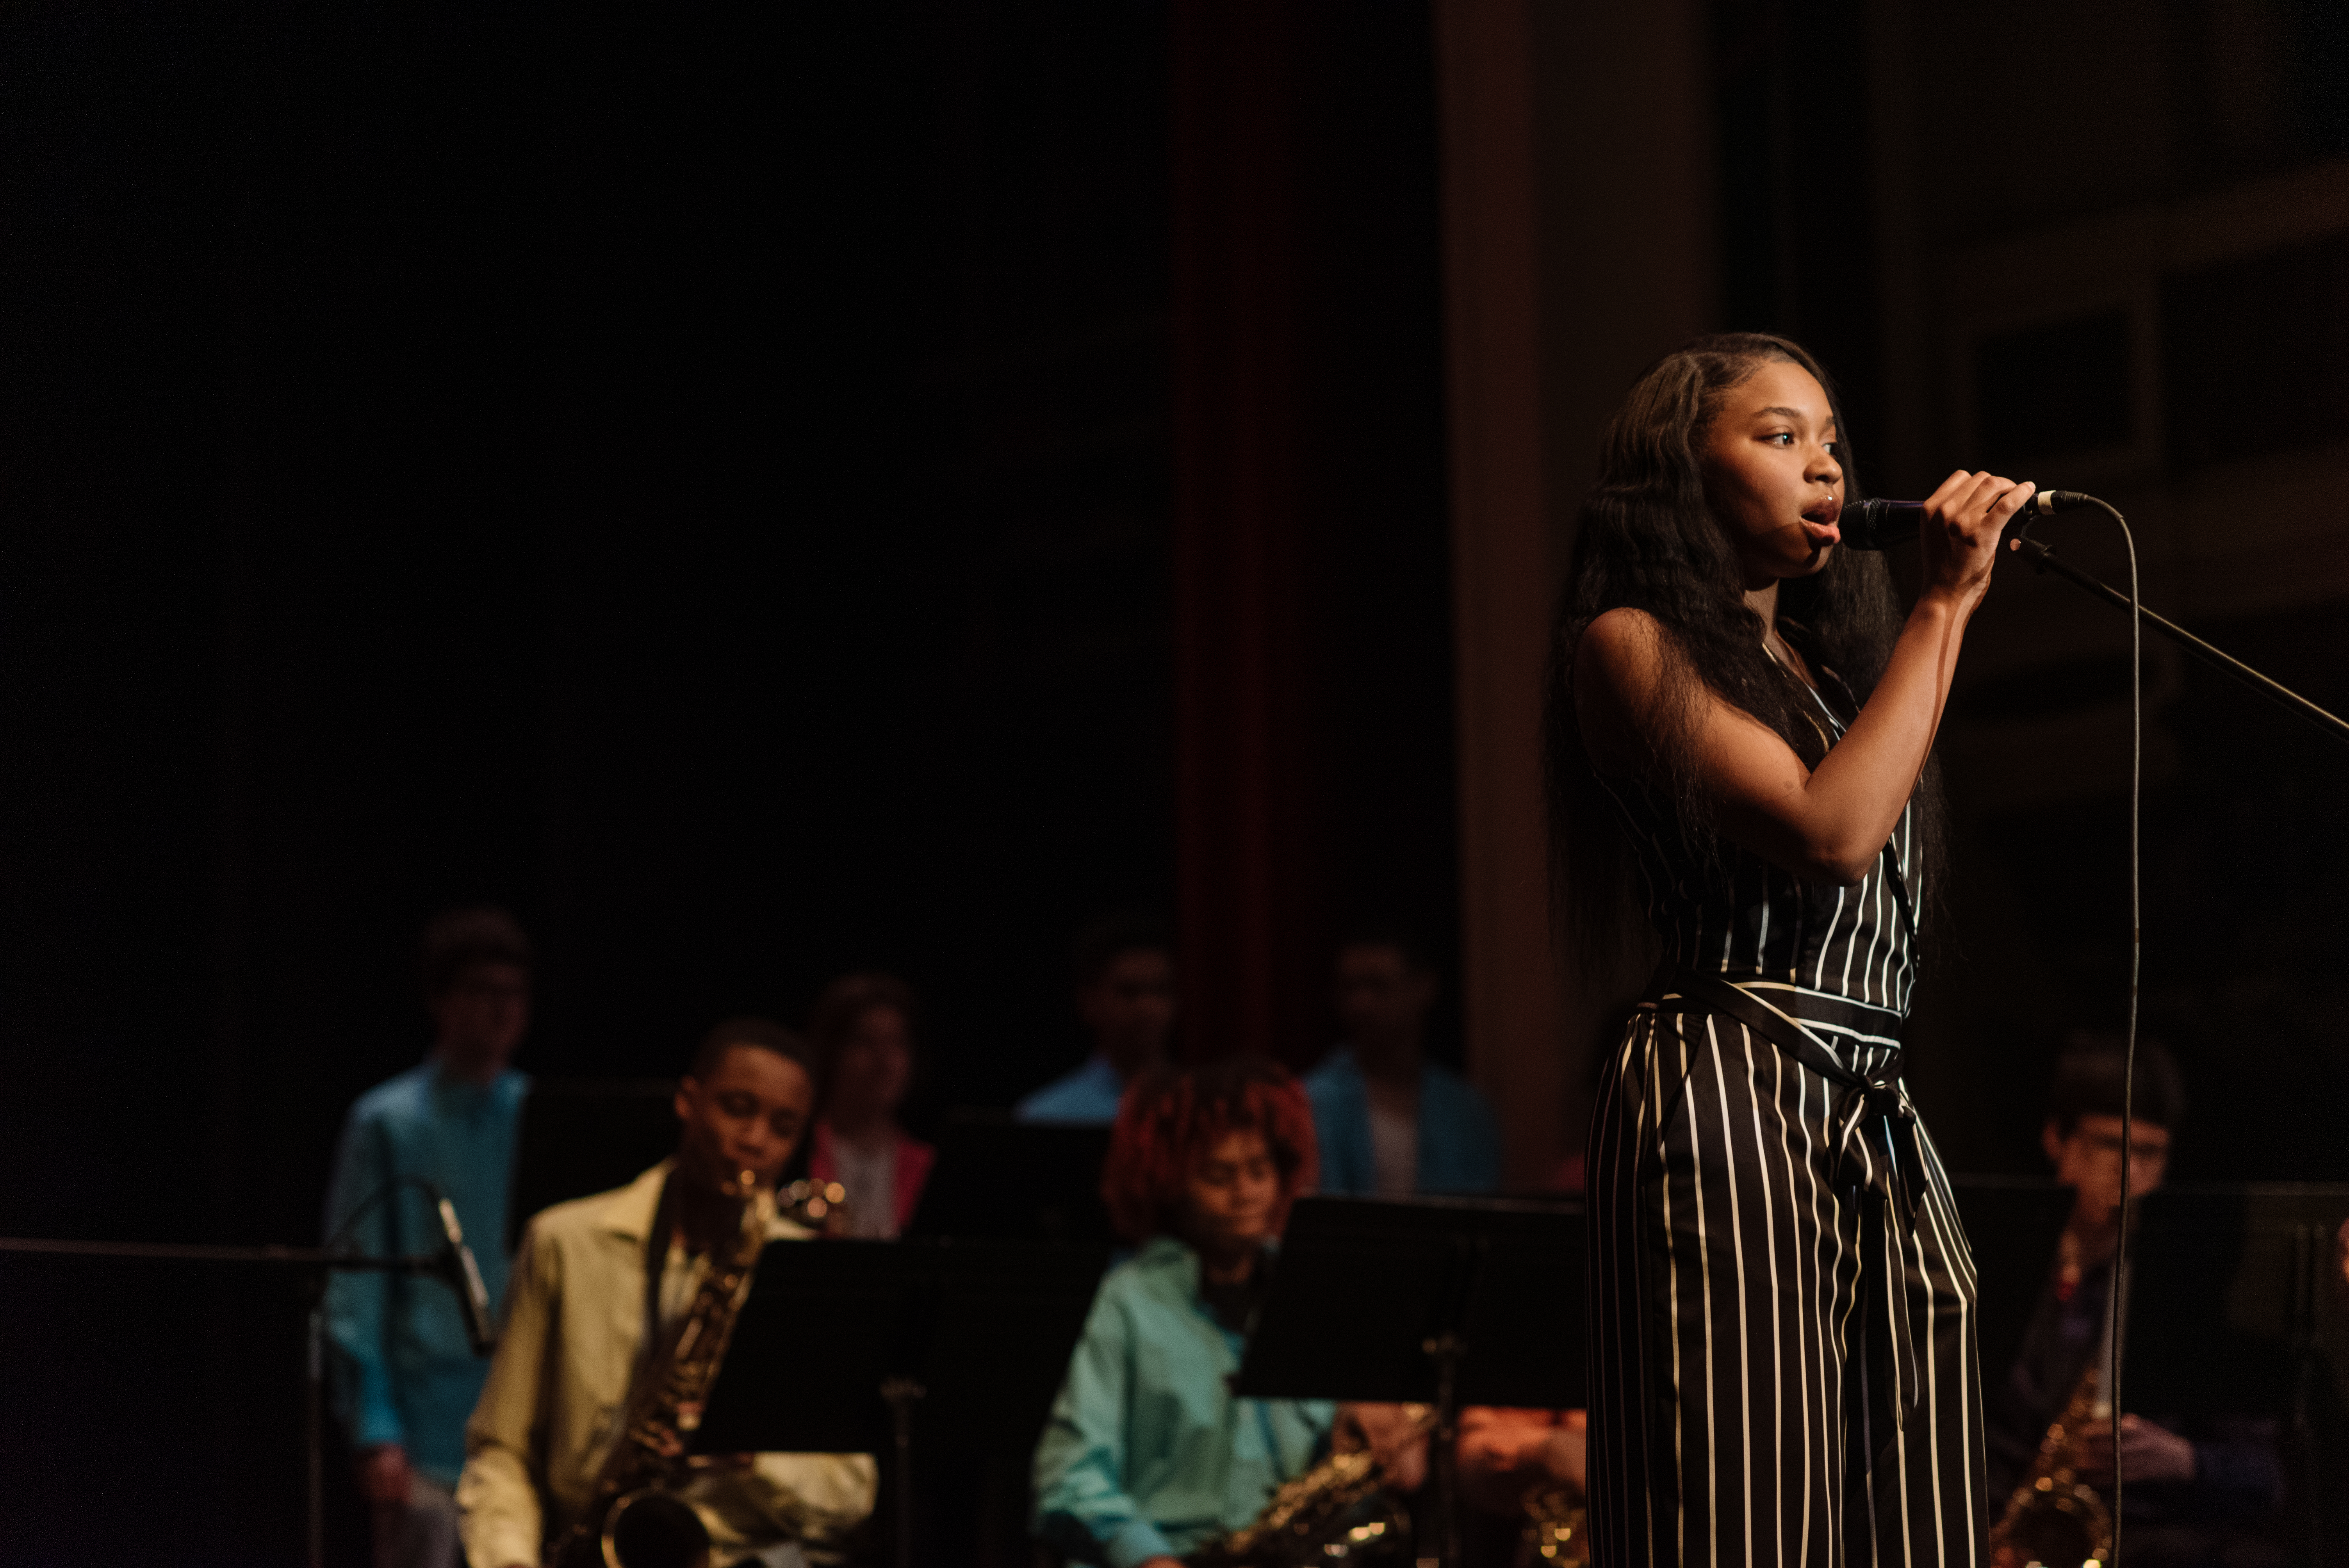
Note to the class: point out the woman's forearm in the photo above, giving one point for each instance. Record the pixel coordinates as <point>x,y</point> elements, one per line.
<point>1864,783</point>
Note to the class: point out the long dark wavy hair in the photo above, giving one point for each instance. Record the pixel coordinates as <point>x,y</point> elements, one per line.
<point>1646,538</point>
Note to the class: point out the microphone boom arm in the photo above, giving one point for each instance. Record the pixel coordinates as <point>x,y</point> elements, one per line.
<point>2043,558</point>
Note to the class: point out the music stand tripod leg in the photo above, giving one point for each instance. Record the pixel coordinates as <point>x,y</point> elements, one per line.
<point>314,1386</point>
<point>1446,1350</point>
<point>901,1393</point>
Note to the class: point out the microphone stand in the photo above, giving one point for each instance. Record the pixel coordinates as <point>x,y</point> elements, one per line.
<point>313,1264</point>
<point>2043,558</point>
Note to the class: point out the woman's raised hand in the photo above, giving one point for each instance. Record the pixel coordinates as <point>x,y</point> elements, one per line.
<point>1959,540</point>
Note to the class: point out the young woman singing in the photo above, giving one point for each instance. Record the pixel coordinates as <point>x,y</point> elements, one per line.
<point>1782,1302</point>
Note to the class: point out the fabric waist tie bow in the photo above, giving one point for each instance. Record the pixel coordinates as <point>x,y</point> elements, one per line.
<point>1868,1100</point>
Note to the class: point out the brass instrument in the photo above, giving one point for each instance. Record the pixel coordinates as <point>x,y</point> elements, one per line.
<point>2055,1520</point>
<point>1337,1511</point>
<point>633,1518</point>
<point>819,1205</point>
<point>1557,1527</point>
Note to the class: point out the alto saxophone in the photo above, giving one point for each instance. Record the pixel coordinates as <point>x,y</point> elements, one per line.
<point>2054,1518</point>
<point>1337,1511</point>
<point>633,1518</point>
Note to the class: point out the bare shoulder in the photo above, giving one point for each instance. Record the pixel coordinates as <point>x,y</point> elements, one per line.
<point>1621,636</point>
<point>1618,660</point>
<point>1617,673</point>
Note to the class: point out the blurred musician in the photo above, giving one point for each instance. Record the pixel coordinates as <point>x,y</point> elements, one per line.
<point>863,1031</point>
<point>2193,1484</point>
<point>1506,1454</point>
<point>598,1281</point>
<point>1390,1119</point>
<point>1126,994</point>
<point>405,1374</point>
<point>1147,1454</point>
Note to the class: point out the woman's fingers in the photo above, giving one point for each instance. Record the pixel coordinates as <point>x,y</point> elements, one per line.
<point>1989,490</point>
<point>1964,517</point>
<point>1948,489</point>
<point>1984,503</point>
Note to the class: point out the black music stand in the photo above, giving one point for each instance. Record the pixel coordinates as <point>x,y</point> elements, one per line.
<point>1003,1178</point>
<point>875,1347</point>
<point>583,1136</point>
<point>2235,1306</point>
<point>1440,1302</point>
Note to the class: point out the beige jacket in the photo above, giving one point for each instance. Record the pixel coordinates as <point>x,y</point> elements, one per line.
<point>558,1391</point>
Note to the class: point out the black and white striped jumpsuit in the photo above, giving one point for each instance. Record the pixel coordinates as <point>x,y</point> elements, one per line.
<point>1783,1364</point>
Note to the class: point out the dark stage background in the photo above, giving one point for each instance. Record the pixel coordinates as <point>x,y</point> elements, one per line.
<point>869,485</point>
<point>709,487</point>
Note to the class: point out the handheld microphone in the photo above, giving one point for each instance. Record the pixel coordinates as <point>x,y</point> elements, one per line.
<point>465,1278</point>
<point>1879,524</point>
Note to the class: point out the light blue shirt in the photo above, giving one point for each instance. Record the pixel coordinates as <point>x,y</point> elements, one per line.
<point>1459,1146</point>
<point>1146,1453</point>
<point>1088,1096</point>
<point>403,1371</point>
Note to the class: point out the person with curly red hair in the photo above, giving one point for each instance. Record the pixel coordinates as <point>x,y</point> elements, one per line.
<point>1147,1453</point>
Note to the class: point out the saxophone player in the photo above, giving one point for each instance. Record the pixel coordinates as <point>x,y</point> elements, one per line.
<point>2193,1484</point>
<point>597,1282</point>
<point>1147,1454</point>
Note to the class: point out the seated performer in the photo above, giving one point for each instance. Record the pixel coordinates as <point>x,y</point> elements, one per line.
<point>405,1373</point>
<point>2191,1483</point>
<point>1126,994</point>
<point>575,1339</point>
<point>1517,1468</point>
<point>1147,1454</point>
<point>1391,1122</point>
<point>863,1031</point>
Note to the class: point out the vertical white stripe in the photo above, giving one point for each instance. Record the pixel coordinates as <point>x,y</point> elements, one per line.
<point>1737,1254</point>
<point>1849,1221</point>
<point>1930,1380</point>
<point>1887,926</point>
<point>1895,1320</point>
<point>1957,1260</point>
<point>1811,1324</point>
<point>1672,1295</point>
<point>1640,1396</point>
<point>1705,1285</point>
<point>1871,892</point>
<point>1843,985</point>
<point>1777,1420</point>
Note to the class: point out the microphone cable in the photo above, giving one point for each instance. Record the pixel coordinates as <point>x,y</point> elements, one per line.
<point>2116,1290</point>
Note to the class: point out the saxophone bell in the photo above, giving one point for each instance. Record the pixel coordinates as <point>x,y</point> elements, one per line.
<point>651,1528</point>
<point>2053,1517</point>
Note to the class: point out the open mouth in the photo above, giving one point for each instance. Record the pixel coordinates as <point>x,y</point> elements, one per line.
<point>1819,522</point>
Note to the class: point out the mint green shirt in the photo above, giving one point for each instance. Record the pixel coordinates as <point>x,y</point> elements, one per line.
<point>1146,1452</point>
